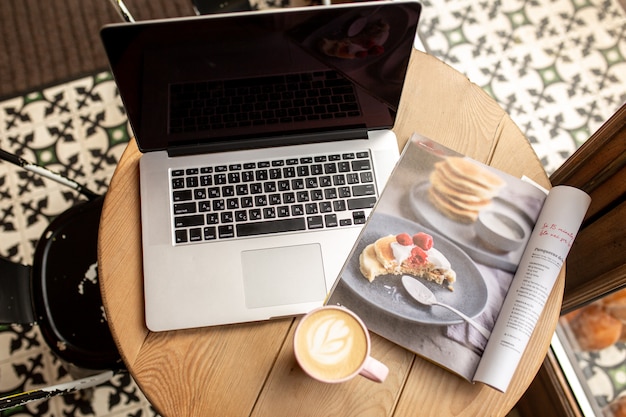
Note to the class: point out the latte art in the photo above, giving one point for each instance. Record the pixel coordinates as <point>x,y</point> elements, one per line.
<point>330,340</point>
<point>331,344</point>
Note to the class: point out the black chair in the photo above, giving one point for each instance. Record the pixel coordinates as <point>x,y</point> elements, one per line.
<point>61,294</point>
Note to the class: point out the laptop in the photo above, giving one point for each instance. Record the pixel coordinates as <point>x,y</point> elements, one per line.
<point>265,140</point>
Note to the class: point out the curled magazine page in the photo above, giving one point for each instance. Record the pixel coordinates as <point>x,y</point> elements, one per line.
<point>422,255</point>
<point>549,244</point>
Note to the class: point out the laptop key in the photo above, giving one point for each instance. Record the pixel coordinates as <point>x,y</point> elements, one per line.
<point>182,195</point>
<point>178,183</point>
<point>367,177</point>
<point>199,194</point>
<point>361,190</point>
<point>181,236</point>
<point>315,222</point>
<point>269,213</point>
<point>361,165</point>
<point>268,227</point>
<point>188,221</point>
<point>210,233</point>
<point>195,234</point>
<point>361,203</point>
<point>339,205</point>
<point>359,217</point>
<point>184,208</point>
<point>226,231</point>
<point>330,220</point>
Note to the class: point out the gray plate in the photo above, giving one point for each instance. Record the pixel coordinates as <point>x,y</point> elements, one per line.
<point>387,293</point>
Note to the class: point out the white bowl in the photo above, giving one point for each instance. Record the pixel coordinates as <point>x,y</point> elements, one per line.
<point>499,232</point>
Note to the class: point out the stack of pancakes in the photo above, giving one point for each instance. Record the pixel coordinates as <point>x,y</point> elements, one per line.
<point>460,188</point>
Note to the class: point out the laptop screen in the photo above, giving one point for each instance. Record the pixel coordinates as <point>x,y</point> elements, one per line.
<point>220,79</point>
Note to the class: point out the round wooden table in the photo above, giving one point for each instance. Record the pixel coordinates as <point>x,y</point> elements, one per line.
<point>250,369</point>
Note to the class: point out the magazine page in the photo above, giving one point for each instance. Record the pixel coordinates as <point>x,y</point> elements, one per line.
<point>539,268</point>
<point>425,227</point>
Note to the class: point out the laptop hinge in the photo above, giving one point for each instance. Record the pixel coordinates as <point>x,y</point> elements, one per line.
<point>237,144</point>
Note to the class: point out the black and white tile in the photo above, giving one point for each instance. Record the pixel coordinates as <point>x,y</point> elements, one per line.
<point>79,130</point>
<point>558,67</point>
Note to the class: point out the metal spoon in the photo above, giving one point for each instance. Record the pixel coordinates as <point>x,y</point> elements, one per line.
<point>423,295</point>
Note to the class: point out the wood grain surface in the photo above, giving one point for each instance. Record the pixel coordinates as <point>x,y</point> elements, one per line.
<point>250,369</point>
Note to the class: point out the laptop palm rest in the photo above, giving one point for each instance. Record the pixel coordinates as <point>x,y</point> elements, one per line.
<point>284,275</point>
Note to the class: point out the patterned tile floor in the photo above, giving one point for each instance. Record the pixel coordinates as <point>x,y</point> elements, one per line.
<point>557,66</point>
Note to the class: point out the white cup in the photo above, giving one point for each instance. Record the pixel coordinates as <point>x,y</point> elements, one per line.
<point>332,345</point>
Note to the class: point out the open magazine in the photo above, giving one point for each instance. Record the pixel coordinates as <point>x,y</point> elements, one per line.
<point>449,229</point>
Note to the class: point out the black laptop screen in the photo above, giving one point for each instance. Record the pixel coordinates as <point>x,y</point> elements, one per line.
<point>215,79</point>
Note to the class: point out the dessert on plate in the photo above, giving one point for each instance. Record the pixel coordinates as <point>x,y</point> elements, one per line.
<point>405,254</point>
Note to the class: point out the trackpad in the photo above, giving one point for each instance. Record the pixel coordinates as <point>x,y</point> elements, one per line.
<point>280,276</point>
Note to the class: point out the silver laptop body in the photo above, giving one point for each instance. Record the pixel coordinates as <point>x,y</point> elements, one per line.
<point>266,140</point>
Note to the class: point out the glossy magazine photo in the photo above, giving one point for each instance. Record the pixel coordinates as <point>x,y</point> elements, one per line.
<point>457,260</point>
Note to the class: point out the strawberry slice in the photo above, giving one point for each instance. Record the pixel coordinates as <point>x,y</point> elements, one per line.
<point>423,240</point>
<point>404,239</point>
<point>418,256</point>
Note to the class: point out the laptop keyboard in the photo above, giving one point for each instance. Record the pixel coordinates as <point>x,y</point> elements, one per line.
<point>272,196</point>
<point>213,105</point>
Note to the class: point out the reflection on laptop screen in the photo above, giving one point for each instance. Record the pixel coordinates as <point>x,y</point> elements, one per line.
<point>263,74</point>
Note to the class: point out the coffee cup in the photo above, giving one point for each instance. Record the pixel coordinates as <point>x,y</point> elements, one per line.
<point>332,345</point>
